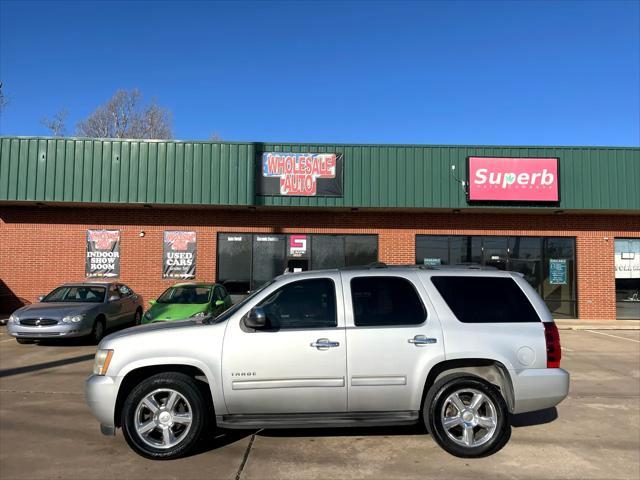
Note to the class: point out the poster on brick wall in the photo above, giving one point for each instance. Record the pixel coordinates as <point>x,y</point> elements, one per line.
<point>179,255</point>
<point>103,254</point>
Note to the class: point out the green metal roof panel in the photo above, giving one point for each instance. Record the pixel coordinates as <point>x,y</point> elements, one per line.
<point>223,173</point>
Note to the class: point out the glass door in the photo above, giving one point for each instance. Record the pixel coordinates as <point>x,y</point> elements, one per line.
<point>627,278</point>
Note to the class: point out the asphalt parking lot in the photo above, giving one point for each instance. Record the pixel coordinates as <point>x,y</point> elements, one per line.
<point>46,431</point>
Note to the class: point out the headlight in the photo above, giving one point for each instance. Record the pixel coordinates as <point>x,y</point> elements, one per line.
<point>73,319</point>
<point>198,315</point>
<point>13,319</point>
<point>101,362</point>
<point>147,315</point>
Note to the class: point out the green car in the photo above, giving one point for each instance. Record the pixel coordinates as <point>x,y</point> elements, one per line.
<point>188,300</point>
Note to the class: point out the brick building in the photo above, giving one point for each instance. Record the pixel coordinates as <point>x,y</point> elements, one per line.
<point>567,218</point>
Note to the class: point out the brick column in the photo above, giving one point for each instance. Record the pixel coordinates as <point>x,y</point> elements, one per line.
<point>397,247</point>
<point>595,260</point>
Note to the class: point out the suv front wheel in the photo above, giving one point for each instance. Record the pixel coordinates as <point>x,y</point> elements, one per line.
<point>467,416</point>
<point>164,416</point>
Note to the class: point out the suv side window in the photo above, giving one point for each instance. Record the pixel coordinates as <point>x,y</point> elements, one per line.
<point>386,301</point>
<point>485,299</point>
<point>302,304</point>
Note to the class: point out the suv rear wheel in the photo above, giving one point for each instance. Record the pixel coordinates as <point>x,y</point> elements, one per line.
<point>164,416</point>
<point>467,416</point>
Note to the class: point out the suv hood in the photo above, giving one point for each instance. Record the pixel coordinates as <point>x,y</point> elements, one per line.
<point>160,327</point>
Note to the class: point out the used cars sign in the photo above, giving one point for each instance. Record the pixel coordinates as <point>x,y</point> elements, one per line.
<point>513,179</point>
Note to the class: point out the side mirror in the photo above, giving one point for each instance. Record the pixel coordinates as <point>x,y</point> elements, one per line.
<point>152,302</point>
<point>256,319</point>
<point>40,298</point>
<point>114,298</point>
<point>219,303</point>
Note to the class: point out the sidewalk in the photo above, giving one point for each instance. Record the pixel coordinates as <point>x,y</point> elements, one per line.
<point>575,324</point>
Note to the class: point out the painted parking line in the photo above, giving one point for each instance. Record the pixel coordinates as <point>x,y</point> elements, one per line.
<point>5,341</point>
<point>566,349</point>
<point>614,336</point>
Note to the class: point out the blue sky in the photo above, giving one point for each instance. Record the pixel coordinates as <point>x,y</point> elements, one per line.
<point>529,73</point>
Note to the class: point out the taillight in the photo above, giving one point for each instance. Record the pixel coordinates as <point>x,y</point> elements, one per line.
<point>552,338</point>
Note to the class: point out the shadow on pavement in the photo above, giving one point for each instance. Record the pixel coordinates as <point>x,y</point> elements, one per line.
<point>45,365</point>
<point>529,419</point>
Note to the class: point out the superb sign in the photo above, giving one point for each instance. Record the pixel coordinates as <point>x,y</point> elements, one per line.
<point>513,179</point>
<point>300,174</point>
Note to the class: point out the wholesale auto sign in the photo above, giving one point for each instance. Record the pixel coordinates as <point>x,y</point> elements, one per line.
<point>179,254</point>
<point>300,174</point>
<point>103,253</point>
<point>513,179</point>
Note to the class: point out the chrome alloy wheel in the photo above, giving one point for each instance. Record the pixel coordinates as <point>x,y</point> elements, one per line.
<point>163,418</point>
<point>469,417</point>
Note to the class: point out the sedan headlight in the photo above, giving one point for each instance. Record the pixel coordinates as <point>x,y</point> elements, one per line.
<point>101,361</point>
<point>199,315</point>
<point>72,319</point>
<point>13,319</point>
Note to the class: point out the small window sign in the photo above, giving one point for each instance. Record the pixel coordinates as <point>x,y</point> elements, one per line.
<point>432,262</point>
<point>558,271</point>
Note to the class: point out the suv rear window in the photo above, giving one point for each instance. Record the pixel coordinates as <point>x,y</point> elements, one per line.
<point>485,299</point>
<point>385,301</point>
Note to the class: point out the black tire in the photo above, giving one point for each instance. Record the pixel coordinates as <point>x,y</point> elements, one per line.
<point>433,412</point>
<point>25,341</point>
<point>98,330</point>
<point>185,386</point>
<point>137,318</point>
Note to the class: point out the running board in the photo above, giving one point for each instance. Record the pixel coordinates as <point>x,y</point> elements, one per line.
<point>317,420</point>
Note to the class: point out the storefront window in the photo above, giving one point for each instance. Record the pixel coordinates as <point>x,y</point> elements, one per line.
<point>327,251</point>
<point>548,264</point>
<point>465,249</point>
<point>268,258</point>
<point>525,256</point>
<point>234,261</point>
<point>432,250</point>
<point>360,249</point>
<point>246,261</point>
<point>627,278</point>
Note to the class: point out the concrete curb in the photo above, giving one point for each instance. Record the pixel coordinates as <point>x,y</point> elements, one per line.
<point>603,325</point>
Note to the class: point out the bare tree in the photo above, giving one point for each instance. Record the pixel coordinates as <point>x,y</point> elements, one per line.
<point>57,123</point>
<point>124,116</point>
<point>215,137</point>
<point>3,99</point>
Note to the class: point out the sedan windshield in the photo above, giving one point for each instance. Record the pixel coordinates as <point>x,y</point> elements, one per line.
<point>188,294</point>
<point>89,294</point>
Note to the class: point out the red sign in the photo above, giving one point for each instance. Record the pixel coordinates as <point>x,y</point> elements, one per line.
<point>513,179</point>
<point>300,174</point>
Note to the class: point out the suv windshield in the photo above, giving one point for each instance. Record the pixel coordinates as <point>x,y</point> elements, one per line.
<point>89,294</point>
<point>187,294</point>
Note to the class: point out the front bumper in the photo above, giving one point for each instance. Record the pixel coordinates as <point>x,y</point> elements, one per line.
<point>101,393</point>
<point>539,388</point>
<point>60,330</point>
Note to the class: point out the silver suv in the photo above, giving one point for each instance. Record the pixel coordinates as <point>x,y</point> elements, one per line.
<point>457,349</point>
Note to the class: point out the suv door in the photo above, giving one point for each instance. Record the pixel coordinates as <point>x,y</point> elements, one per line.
<point>299,365</point>
<point>393,340</point>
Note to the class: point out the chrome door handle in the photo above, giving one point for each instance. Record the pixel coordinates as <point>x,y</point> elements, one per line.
<point>324,343</point>
<point>422,340</point>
